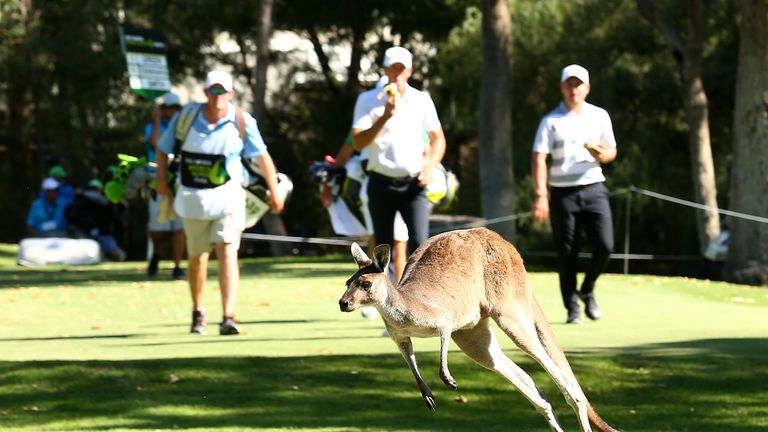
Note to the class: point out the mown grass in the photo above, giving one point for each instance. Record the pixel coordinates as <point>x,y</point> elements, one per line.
<point>102,348</point>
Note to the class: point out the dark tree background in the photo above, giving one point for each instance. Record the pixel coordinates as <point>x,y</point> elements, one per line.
<point>63,91</point>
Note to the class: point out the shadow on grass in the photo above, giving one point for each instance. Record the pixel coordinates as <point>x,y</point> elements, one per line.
<point>693,386</point>
<point>53,338</point>
<point>84,276</point>
<point>80,276</point>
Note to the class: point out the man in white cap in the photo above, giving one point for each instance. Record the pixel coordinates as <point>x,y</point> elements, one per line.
<point>210,197</point>
<point>47,216</point>
<point>391,125</point>
<point>579,138</point>
<point>170,104</point>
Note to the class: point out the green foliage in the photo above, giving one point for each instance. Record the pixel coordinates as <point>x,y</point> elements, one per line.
<point>63,90</point>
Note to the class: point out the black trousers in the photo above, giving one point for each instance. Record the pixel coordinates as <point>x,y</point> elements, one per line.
<point>572,208</point>
<point>385,198</point>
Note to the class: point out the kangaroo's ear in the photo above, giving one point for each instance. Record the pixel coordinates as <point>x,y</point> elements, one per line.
<point>381,257</point>
<point>360,257</point>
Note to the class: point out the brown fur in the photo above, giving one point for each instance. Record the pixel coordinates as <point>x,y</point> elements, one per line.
<point>453,285</point>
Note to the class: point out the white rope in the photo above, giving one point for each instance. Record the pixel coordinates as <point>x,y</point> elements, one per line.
<point>294,239</point>
<point>699,206</point>
<point>486,222</point>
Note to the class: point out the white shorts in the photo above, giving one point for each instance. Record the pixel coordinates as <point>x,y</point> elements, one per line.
<point>201,234</point>
<point>401,230</point>
<point>154,225</point>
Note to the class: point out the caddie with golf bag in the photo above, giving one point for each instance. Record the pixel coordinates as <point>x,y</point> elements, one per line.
<point>210,141</point>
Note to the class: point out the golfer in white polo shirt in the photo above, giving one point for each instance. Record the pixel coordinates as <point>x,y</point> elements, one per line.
<point>400,162</point>
<point>578,137</point>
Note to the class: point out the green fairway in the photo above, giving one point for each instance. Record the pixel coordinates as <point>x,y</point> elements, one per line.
<point>101,348</point>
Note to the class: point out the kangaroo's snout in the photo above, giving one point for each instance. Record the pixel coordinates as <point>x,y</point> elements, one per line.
<point>344,305</point>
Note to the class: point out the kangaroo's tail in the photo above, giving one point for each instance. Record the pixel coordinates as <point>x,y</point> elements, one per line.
<point>549,341</point>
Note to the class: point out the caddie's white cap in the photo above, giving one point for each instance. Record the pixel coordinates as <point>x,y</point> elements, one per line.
<point>398,55</point>
<point>219,77</point>
<point>50,183</point>
<point>575,70</point>
<point>170,99</point>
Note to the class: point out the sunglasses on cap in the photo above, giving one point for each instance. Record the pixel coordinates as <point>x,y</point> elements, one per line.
<point>216,91</point>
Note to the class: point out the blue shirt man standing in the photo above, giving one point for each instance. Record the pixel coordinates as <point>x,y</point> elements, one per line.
<point>210,197</point>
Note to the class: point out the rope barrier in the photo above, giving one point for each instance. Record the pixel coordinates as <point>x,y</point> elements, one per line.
<point>294,239</point>
<point>699,206</point>
<point>486,222</point>
<point>626,256</point>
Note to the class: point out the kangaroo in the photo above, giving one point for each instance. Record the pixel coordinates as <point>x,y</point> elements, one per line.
<point>453,285</point>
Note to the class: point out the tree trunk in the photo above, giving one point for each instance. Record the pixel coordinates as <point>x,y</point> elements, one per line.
<point>747,260</point>
<point>272,223</point>
<point>34,80</point>
<point>688,52</point>
<point>353,81</point>
<point>702,165</point>
<point>496,178</point>
<point>262,59</point>
<point>322,57</point>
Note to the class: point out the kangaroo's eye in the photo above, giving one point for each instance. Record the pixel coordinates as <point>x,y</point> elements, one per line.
<point>366,285</point>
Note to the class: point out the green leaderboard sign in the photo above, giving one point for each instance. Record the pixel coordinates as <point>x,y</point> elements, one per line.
<point>144,51</point>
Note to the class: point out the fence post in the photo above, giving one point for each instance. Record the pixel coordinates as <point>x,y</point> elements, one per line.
<point>626,230</point>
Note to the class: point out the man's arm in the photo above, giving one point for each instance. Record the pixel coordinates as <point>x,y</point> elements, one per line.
<point>343,155</point>
<point>362,138</point>
<point>161,174</point>
<point>154,137</point>
<point>433,156</point>
<point>604,150</point>
<point>166,142</point>
<point>269,172</point>
<point>601,153</point>
<point>540,210</point>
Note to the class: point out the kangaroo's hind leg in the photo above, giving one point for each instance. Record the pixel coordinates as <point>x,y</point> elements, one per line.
<point>480,344</point>
<point>519,325</point>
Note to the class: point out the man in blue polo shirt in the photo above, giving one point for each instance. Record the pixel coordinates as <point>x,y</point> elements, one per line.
<point>579,138</point>
<point>210,197</point>
<point>46,217</point>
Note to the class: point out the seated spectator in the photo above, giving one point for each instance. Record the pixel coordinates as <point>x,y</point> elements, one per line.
<point>91,215</point>
<point>46,216</point>
<point>66,192</point>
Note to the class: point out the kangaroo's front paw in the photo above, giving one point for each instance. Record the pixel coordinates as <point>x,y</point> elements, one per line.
<point>448,380</point>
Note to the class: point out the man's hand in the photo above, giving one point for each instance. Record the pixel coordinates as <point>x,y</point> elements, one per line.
<point>600,153</point>
<point>276,202</point>
<point>162,188</point>
<point>540,211</point>
<point>390,108</point>
<point>326,199</point>
<point>425,177</point>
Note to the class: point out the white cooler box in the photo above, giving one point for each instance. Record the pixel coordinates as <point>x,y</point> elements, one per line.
<point>57,250</point>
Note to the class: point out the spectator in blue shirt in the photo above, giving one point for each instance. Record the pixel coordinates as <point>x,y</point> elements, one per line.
<point>46,216</point>
<point>66,191</point>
